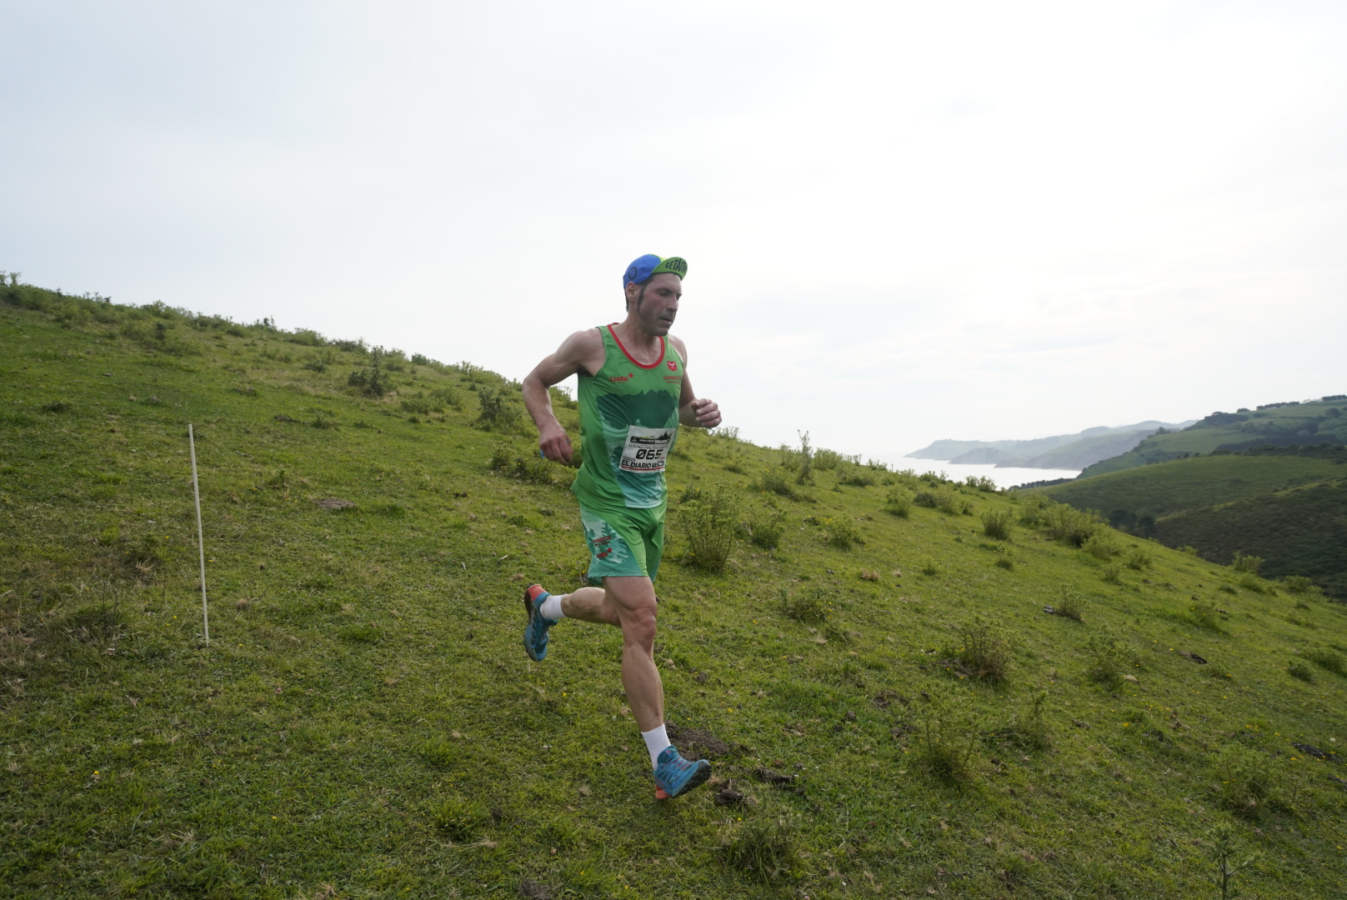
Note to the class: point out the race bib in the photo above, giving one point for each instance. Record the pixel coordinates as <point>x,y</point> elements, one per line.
<point>646,449</point>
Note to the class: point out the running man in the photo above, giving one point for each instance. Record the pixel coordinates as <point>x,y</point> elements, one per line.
<point>633,394</point>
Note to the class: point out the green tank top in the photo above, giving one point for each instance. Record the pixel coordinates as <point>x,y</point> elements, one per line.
<point>628,423</point>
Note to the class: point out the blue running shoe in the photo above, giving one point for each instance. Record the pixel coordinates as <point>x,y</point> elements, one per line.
<point>675,775</point>
<point>535,633</point>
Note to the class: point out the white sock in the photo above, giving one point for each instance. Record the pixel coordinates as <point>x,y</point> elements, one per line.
<point>551,608</point>
<point>656,740</point>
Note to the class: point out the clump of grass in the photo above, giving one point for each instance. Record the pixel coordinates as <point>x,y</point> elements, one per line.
<point>774,481</point>
<point>996,524</point>
<point>1005,563</point>
<point>461,819</point>
<point>1301,671</point>
<point>898,503</point>
<point>1027,730</point>
<point>1244,782</point>
<point>765,530</point>
<point>945,748</point>
<point>1070,605</point>
<point>1112,574</point>
<point>1204,614</point>
<point>767,851</point>
<point>982,654</point>
<point>930,566</point>
<point>842,533</point>
<point>1251,583</point>
<point>710,527</point>
<point>1108,663</point>
<point>809,607</point>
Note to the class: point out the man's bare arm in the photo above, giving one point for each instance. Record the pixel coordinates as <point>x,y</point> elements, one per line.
<point>576,353</point>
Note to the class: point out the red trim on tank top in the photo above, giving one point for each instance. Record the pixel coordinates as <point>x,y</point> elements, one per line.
<point>634,360</point>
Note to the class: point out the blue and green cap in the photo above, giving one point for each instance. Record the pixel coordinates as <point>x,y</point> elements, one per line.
<point>643,268</point>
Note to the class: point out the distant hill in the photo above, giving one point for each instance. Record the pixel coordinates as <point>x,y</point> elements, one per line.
<point>1065,451</point>
<point>1290,424</point>
<point>1286,505</point>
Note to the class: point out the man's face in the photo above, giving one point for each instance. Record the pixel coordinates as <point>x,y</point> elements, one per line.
<point>656,302</point>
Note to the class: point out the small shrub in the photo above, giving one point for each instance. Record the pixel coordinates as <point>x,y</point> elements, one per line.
<point>1298,584</point>
<point>1108,662</point>
<point>710,525</point>
<point>1100,546</point>
<point>946,746</point>
<point>775,482</point>
<point>1005,563</point>
<point>810,607</point>
<point>827,460</point>
<point>926,499</point>
<point>497,413</point>
<point>1070,525</point>
<point>996,524</point>
<point>1070,605</point>
<point>1301,671</point>
<point>765,531</point>
<point>981,483</point>
<point>930,567</point>
<point>842,533</point>
<point>983,655</point>
<point>1026,731</point>
<point>898,503</point>
<point>1245,782</point>
<point>1246,563</point>
<point>1112,574</point>
<point>1204,614</point>
<point>1138,558</point>
<point>766,851</point>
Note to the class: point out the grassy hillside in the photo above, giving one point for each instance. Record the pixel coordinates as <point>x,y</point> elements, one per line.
<point>1289,508</point>
<point>1320,422</point>
<point>888,705</point>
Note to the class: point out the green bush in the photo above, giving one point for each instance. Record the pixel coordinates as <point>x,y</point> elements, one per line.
<point>1246,563</point>
<point>1244,780</point>
<point>926,499</point>
<point>1301,671</point>
<point>1137,558</point>
<point>710,526</point>
<point>1070,525</point>
<point>1100,546</point>
<point>1328,661</point>
<point>996,524</point>
<point>842,533</point>
<point>765,530</point>
<point>898,503</point>
<point>982,654</point>
<point>1108,662</point>
<point>1298,584</point>
<point>1070,605</point>
<point>497,414</point>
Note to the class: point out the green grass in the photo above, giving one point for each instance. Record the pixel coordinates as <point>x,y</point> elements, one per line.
<point>364,721</point>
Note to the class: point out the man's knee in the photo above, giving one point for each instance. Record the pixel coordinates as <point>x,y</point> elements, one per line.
<point>638,627</point>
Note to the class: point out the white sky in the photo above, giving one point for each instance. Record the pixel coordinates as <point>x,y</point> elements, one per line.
<point>903,221</point>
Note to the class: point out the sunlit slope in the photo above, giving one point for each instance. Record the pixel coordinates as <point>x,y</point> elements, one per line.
<point>888,705</point>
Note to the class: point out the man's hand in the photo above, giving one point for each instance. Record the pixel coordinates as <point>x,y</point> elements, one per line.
<point>555,444</point>
<point>705,412</point>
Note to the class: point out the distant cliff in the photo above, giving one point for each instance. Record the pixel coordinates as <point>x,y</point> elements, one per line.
<point>1066,451</point>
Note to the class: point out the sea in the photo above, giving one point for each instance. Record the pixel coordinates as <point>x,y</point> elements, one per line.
<point>1002,476</point>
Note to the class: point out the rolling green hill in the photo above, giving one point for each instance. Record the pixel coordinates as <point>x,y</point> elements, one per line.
<point>889,706</point>
<point>1293,424</point>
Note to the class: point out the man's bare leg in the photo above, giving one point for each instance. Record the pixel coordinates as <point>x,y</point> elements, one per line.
<point>627,601</point>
